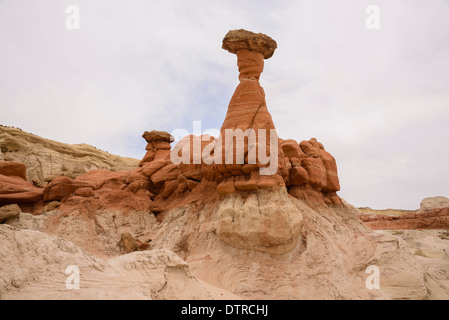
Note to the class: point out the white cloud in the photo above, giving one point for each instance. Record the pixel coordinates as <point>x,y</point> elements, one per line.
<point>378,100</point>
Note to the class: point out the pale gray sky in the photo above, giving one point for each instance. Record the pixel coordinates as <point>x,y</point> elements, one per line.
<point>377,99</point>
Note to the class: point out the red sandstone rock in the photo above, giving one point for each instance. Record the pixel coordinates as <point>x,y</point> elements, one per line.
<point>246,185</point>
<point>17,190</point>
<point>317,172</point>
<point>226,187</point>
<point>332,181</point>
<point>248,168</point>
<point>315,143</point>
<point>84,192</point>
<point>161,145</point>
<point>169,187</point>
<point>209,172</point>
<point>149,156</point>
<point>151,168</point>
<point>292,150</point>
<point>13,169</point>
<point>136,186</point>
<point>101,178</point>
<point>192,171</point>
<point>150,146</point>
<point>298,176</point>
<point>169,172</point>
<point>136,175</point>
<point>269,182</point>
<point>295,162</point>
<point>62,187</point>
<point>247,109</point>
<point>309,149</point>
<point>182,187</point>
<point>162,155</point>
<point>192,184</point>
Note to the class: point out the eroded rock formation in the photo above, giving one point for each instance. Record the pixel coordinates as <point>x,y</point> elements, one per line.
<point>285,235</point>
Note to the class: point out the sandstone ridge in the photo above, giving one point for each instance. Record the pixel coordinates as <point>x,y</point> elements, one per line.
<point>46,159</point>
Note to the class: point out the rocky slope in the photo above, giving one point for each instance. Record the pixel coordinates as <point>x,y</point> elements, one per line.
<point>38,266</point>
<point>46,159</point>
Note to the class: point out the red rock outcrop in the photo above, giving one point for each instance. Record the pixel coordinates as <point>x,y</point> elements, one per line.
<point>158,146</point>
<point>432,214</point>
<point>14,188</point>
<point>305,169</point>
<point>63,187</point>
<point>13,169</point>
<point>432,219</point>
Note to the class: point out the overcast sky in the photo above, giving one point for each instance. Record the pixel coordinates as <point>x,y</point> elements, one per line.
<point>377,99</point>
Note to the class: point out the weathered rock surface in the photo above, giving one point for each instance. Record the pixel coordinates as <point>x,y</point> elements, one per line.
<point>326,254</point>
<point>9,211</point>
<point>236,40</point>
<point>430,219</point>
<point>14,188</point>
<point>46,159</point>
<point>265,221</point>
<point>33,266</point>
<point>13,169</point>
<point>432,203</point>
<point>62,187</point>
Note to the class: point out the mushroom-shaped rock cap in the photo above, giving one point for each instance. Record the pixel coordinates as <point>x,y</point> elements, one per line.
<point>243,39</point>
<point>158,136</point>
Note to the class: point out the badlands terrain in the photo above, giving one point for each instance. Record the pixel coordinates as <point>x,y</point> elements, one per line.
<point>155,229</point>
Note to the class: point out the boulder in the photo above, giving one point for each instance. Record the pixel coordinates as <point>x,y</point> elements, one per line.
<point>291,149</point>
<point>63,187</point>
<point>9,211</point>
<point>155,135</point>
<point>128,243</point>
<point>15,189</point>
<point>432,203</point>
<point>236,40</point>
